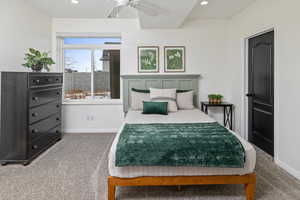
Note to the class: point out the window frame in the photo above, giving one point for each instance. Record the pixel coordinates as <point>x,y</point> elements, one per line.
<point>93,48</point>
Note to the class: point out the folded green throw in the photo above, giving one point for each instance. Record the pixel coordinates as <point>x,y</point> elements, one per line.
<point>188,144</point>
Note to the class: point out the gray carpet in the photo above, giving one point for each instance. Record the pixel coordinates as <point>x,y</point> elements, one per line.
<point>76,169</point>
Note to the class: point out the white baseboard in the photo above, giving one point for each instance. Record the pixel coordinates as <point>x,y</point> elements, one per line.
<point>289,169</point>
<point>90,130</point>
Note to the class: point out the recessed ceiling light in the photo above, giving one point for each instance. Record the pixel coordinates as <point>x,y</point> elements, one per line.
<point>75,1</point>
<point>204,3</point>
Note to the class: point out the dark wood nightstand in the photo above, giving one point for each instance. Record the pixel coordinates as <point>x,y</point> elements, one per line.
<point>227,107</point>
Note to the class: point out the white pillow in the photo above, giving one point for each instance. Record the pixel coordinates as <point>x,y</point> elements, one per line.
<point>137,99</point>
<point>185,100</point>
<point>165,95</point>
<point>162,93</point>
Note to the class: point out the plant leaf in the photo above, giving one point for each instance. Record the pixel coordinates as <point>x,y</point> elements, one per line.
<point>31,50</point>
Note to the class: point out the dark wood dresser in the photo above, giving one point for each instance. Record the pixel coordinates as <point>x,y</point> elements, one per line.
<point>30,115</point>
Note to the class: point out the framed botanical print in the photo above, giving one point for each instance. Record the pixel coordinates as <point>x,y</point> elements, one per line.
<point>148,59</point>
<point>174,59</point>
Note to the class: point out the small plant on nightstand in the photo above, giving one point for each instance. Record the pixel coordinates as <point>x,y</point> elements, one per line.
<point>215,98</point>
<point>211,98</point>
<point>219,98</point>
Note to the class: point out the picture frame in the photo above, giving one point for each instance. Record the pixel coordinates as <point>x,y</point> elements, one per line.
<point>148,59</point>
<point>174,57</point>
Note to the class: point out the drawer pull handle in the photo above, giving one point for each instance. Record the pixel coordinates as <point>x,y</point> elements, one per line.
<point>57,119</point>
<point>57,79</point>
<point>57,106</point>
<point>35,98</point>
<point>36,81</point>
<point>57,131</point>
<point>34,146</point>
<point>58,93</point>
<point>34,131</point>
<point>34,114</point>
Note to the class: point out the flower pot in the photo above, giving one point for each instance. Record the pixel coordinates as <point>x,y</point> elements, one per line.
<point>37,68</point>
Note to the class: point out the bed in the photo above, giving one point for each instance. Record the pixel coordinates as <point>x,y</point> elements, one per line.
<point>179,175</point>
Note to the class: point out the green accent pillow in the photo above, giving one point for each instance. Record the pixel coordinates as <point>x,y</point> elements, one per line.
<point>140,90</point>
<point>182,91</point>
<point>160,108</point>
<point>148,91</point>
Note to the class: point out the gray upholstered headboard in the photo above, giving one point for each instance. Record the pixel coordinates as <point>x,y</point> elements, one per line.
<point>181,82</point>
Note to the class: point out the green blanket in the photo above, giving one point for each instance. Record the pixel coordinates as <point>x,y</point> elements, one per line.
<point>194,144</point>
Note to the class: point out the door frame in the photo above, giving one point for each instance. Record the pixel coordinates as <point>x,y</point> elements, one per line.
<point>245,46</point>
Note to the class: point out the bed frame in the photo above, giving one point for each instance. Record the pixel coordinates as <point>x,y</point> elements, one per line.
<point>182,82</point>
<point>248,180</point>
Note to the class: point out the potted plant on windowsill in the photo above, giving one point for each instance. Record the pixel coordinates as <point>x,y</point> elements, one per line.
<point>37,61</point>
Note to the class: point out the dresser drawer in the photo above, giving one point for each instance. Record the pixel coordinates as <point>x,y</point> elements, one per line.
<point>42,80</point>
<point>44,111</point>
<point>41,128</point>
<point>43,142</point>
<point>38,97</point>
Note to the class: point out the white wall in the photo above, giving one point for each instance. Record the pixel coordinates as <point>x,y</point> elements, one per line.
<point>92,118</point>
<point>284,16</point>
<point>205,43</point>
<point>21,27</point>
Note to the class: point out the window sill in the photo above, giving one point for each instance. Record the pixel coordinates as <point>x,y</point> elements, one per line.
<point>93,102</point>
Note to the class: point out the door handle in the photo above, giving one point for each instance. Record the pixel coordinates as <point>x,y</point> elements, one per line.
<point>250,95</point>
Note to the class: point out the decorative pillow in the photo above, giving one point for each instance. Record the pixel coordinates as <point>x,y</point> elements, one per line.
<point>140,90</point>
<point>185,100</point>
<point>137,99</point>
<point>162,93</point>
<point>165,95</point>
<point>183,91</point>
<point>148,91</point>
<point>160,108</point>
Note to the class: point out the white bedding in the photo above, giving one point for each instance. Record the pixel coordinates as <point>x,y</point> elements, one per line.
<point>182,116</point>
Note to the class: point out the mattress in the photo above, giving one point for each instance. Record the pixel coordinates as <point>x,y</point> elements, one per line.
<point>182,116</point>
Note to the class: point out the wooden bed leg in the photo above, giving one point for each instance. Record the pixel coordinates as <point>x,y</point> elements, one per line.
<point>111,189</point>
<point>250,191</point>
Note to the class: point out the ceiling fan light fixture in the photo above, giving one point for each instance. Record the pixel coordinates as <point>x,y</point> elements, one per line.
<point>204,3</point>
<point>144,6</point>
<point>123,2</point>
<point>75,1</point>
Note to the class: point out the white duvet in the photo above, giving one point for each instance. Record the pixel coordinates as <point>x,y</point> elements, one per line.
<point>182,116</point>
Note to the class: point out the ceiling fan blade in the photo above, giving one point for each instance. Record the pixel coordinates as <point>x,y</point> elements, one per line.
<point>148,8</point>
<point>115,11</point>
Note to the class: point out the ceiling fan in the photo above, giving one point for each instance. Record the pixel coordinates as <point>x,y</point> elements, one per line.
<point>140,5</point>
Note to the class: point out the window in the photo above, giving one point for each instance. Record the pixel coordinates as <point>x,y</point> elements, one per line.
<point>91,68</point>
<point>92,41</point>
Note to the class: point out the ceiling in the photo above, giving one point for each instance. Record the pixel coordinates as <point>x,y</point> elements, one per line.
<point>219,9</point>
<point>171,17</point>
<point>174,17</point>
<point>85,9</point>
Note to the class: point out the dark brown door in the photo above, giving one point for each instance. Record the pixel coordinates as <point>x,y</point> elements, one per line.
<point>114,56</point>
<point>261,91</point>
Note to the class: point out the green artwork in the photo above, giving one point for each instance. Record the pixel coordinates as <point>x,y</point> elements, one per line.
<point>175,59</point>
<point>148,59</point>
